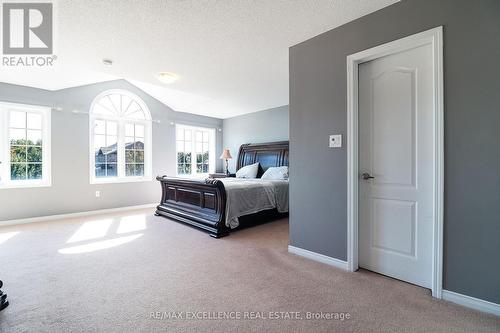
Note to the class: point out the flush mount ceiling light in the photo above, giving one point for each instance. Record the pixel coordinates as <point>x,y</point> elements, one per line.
<point>167,77</point>
<point>107,62</point>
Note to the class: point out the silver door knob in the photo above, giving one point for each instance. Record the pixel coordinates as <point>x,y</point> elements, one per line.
<point>366,176</point>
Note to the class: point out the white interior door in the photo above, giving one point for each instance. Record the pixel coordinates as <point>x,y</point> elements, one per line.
<point>396,148</point>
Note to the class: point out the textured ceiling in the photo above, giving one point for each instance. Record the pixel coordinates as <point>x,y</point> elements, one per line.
<point>231,55</point>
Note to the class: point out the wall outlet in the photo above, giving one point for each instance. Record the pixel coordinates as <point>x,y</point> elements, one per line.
<point>97,194</point>
<point>336,141</point>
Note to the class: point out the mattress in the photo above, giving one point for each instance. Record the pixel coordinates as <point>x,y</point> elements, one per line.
<point>249,196</point>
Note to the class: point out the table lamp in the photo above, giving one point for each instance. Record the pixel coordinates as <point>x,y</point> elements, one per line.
<point>226,155</point>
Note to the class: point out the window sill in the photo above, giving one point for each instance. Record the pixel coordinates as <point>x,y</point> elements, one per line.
<point>7,186</point>
<point>120,180</point>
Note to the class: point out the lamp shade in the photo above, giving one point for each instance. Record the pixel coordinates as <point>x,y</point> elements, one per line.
<point>226,155</point>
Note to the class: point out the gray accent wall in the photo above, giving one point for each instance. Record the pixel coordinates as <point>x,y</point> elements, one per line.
<point>71,190</point>
<point>472,134</point>
<point>258,127</point>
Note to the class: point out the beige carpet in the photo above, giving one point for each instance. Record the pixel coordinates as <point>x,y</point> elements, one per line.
<point>112,279</point>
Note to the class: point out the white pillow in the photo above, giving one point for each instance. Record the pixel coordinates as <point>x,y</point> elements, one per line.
<point>276,173</point>
<point>249,171</point>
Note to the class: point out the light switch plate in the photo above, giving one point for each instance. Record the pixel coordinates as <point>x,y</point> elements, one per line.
<point>336,141</point>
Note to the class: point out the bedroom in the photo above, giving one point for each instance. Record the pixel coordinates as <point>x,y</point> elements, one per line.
<point>147,89</point>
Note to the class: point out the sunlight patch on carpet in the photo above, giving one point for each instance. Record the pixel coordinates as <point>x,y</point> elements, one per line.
<point>91,230</point>
<point>6,236</point>
<point>132,223</point>
<point>101,245</point>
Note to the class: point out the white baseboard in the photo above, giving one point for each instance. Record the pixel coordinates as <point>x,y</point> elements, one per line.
<point>318,257</point>
<point>472,302</point>
<point>73,215</point>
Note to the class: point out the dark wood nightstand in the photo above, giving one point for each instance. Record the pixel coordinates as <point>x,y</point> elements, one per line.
<point>221,175</point>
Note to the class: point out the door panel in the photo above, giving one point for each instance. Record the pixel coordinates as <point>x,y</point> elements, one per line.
<point>394,226</point>
<point>396,148</point>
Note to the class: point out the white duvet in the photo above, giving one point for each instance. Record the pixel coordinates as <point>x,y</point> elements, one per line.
<point>248,196</point>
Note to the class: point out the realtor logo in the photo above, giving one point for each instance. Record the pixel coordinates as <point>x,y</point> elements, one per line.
<point>27,28</point>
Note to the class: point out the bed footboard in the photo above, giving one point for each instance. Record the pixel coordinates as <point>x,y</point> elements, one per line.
<point>200,203</point>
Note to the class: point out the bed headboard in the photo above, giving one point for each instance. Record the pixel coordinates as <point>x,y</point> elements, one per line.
<point>270,154</point>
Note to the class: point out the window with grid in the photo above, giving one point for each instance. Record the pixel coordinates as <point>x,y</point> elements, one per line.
<point>106,147</point>
<point>202,151</point>
<point>120,138</point>
<point>195,150</point>
<point>24,145</point>
<point>134,150</point>
<point>184,150</point>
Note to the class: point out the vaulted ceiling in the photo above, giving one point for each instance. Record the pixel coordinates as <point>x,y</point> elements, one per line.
<point>231,55</point>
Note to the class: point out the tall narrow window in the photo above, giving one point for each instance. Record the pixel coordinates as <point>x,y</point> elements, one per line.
<point>184,150</point>
<point>195,150</point>
<point>106,148</point>
<point>120,137</point>
<point>134,150</point>
<point>24,145</point>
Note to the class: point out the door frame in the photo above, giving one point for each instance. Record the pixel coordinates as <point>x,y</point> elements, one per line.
<point>435,38</point>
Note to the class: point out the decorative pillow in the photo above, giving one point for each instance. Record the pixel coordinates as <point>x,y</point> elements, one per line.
<point>276,173</point>
<point>249,171</point>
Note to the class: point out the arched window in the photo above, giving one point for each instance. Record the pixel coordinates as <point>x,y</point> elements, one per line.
<point>120,138</point>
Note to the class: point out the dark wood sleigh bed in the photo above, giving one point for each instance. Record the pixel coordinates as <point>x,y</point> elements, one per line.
<point>202,203</point>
